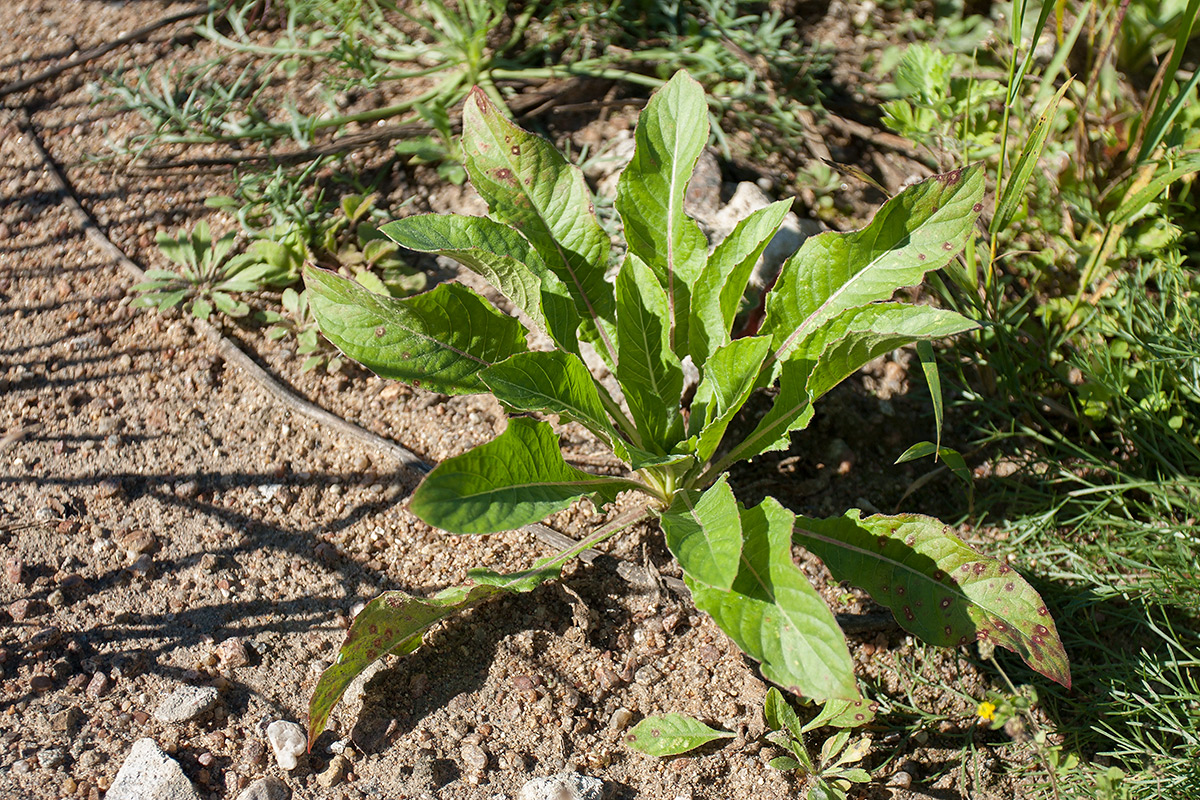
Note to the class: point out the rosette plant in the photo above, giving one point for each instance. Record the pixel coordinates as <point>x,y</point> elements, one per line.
<point>829,313</point>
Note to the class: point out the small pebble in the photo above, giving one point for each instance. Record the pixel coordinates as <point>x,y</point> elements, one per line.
<point>52,757</point>
<point>232,652</point>
<point>266,789</point>
<point>185,703</point>
<point>333,774</point>
<point>901,780</point>
<point>44,639</point>
<point>620,719</point>
<point>97,686</point>
<point>474,757</point>
<point>14,570</point>
<point>41,683</point>
<point>109,487</point>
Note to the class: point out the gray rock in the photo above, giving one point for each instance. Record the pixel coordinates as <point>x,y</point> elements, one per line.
<point>150,774</point>
<point>52,757</point>
<point>563,786</point>
<point>288,741</point>
<point>266,789</point>
<point>186,702</point>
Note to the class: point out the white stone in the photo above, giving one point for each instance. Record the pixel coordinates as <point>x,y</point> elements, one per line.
<point>563,786</point>
<point>150,774</point>
<point>288,741</point>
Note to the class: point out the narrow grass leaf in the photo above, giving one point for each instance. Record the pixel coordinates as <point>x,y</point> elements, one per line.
<point>1137,202</point>
<point>672,734</point>
<point>934,381</point>
<point>1160,120</point>
<point>439,340</point>
<point>918,230</point>
<point>518,478</point>
<point>529,185</point>
<point>938,588</point>
<point>1014,88</point>
<point>1014,189</point>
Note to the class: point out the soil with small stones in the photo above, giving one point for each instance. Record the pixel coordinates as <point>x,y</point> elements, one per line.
<point>165,523</point>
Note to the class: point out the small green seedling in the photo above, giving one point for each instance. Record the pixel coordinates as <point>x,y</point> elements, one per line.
<point>832,772</point>
<point>207,279</point>
<point>672,300</point>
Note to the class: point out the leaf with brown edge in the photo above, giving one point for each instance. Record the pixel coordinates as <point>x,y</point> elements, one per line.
<point>394,623</point>
<point>938,588</point>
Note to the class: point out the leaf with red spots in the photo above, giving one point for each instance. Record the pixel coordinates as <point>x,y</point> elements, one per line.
<point>672,734</point>
<point>530,186</point>
<point>938,588</point>
<point>439,340</point>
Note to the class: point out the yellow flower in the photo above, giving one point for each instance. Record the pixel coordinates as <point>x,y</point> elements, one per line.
<point>986,711</point>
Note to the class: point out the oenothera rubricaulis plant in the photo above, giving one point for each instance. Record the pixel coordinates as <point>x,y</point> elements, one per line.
<point>829,313</point>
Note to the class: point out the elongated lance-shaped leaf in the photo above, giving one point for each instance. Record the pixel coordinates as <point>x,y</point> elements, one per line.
<point>918,230</point>
<point>858,335</point>
<point>833,353</point>
<point>529,185</point>
<point>729,377</point>
<point>718,291</point>
<point>1014,190</point>
<point>518,478</point>
<point>439,340</point>
<point>938,588</point>
<point>672,734</point>
<point>650,374</point>
<point>394,623</point>
<point>705,534</point>
<point>777,618</point>
<point>558,383</point>
<point>671,133</point>
<point>502,257</point>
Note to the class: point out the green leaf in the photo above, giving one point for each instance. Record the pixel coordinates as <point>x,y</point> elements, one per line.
<point>918,230</point>
<point>718,292</point>
<point>784,763</point>
<point>1014,189</point>
<point>833,353</point>
<point>705,534</point>
<point>729,377</point>
<point>557,383</point>
<point>529,185</point>
<point>937,587</point>
<point>858,335</point>
<point>502,257</point>
<point>672,131</point>
<point>517,478</point>
<point>649,372</point>
<point>777,618</point>
<point>953,459</point>
<point>791,411</point>
<point>439,340</point>
<point>780,715</point>
<point>934,381</point>
<point>671,734</point>
<point>394,621</point>
<point>201,308</point>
